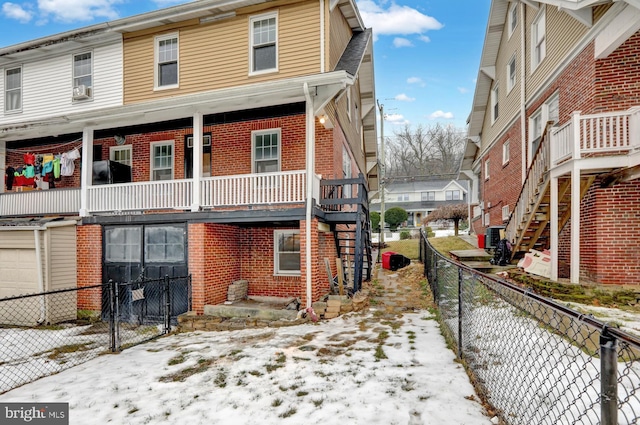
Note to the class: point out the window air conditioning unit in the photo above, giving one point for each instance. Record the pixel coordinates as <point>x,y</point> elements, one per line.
<point>81,92</point>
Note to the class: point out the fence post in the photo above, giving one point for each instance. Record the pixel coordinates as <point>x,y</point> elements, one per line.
<point>459,313</point>
<point>112,321</point>
<point>609,380</point>
<point>116,321</point>
<point>167,306</point>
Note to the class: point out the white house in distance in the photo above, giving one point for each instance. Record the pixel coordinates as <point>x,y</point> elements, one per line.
<point>419,196</point>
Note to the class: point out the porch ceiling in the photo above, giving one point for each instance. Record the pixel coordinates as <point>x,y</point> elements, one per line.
<point>323,87</point>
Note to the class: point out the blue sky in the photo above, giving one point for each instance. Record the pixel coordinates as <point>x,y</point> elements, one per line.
<point>426,52</point>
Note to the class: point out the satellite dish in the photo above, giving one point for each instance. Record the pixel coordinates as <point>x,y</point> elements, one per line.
<point>120,139</point>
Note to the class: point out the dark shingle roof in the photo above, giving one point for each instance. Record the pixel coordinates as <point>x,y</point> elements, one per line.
<point>353,54</point>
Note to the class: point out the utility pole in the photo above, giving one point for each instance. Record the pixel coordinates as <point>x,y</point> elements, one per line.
<point>381,173</point>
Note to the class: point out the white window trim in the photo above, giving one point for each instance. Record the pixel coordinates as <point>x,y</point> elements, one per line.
<point>511,84</point>
<point>495,101</point>
<point>251,21</point>
<point>73,74</point>
<point>4,92</point>
<point>542,14</point>
<point>512,27</point>
<point>506,154</point>
<point>156,61</point>
<point>276,260</point>
<point>253,146</point>
<point>114,149</point>
<point>505,213</point>
<point>173,157</point>
<point>487,167</point>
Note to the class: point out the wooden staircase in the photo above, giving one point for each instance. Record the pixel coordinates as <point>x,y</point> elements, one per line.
<point>530,223</point>
<point>346,207</point>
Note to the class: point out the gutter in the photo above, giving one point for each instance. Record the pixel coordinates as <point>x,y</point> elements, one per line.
<point>310,138</point>
<point>36,236</point>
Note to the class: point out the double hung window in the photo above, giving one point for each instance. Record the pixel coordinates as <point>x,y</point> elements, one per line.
<point>264,43</point>
<point>13,89</point>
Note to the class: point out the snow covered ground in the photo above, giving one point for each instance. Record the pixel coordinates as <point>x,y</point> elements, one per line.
<point>362,368</point>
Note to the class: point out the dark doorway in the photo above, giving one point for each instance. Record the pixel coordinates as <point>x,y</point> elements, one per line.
<point>188,156</point>
<point>142,252</point>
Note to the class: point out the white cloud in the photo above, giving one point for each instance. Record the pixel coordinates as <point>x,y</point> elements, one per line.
<point>425,38</point>
<point>415,80</point>
<point>396,20</point>
<point>402,42</point>
<point>396,119</point>
<point>442,115</point>
<point>463,90</point>
<point>404,98</point>
<point>78,10</point>
<point>17,12</point>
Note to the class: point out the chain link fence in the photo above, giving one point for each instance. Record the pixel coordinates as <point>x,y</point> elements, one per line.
<point>46,333</point>
<point>534,360</point>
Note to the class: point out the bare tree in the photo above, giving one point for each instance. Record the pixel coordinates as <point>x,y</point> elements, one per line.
<point>424,151</point>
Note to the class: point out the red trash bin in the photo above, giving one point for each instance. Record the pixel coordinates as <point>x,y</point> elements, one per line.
<point>386,259</point>
<point>481,241</point>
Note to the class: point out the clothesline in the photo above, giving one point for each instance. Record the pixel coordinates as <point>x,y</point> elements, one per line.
<point>49,148</point>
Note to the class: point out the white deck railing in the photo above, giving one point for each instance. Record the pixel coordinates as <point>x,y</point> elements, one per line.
<point>227,191</point>
<point>586,135</point>
<point>37,202</point>
<point>254,189</point>
<point>156,195</point>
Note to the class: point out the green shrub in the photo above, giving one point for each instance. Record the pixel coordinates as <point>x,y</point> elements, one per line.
<point>405,234</point>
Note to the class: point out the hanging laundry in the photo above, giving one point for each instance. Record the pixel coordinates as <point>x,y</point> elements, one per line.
<point>29,158</point>
<point>67,165</point>
<point>56,166</point>
<point>29,171</point>
<point>10,176</point>
<point>47,163</point>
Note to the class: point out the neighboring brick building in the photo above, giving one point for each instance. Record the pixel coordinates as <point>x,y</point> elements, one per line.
<point>554,135</point>
<point>223,164</point>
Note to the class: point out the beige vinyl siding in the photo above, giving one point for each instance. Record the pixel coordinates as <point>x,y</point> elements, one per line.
<point>599,11</point>
<point>216,55</point>
<point>508,101</point>
<point>562,34</point>
<point>61,267</point>
<point>340,34</point>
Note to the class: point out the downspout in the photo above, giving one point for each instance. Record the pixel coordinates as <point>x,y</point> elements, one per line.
<point>322,34</point>
<point>310,137</point>
<point>36,236</point>
<point>523,94</point>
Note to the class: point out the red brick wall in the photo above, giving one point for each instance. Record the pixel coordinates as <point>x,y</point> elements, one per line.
<point>214,262</point>
<point>504,183</point>
<point>610,234</point>
<point>617,82</point>
<point>89,266</point>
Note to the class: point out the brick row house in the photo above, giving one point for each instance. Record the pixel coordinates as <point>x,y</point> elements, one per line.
<point>553,148</point>
<point>226,140</point>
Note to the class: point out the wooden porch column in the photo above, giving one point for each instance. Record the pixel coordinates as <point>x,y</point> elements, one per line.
<point>554,227</point>
<point>196,202</point>
<point>575,223</point>
<point>87,170</point>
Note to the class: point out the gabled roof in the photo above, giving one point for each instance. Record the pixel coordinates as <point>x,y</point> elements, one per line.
<point>422,185</point>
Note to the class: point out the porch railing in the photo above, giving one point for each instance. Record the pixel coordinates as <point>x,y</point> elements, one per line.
<point>585,135</point>
<point>254,189</point>
<point>226,191</point>
<point>36,202</point>
<point>156,195</point>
